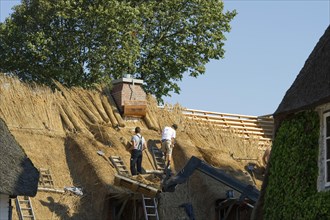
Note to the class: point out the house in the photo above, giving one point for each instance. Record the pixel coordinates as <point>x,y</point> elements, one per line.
<point>63,131</point>
<point>18,176</point>
<point>297,179</point>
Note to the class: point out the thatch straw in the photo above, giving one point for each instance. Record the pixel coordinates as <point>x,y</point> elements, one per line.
<point>73,118</point>
<point>115,111</point>
<point>108,109</point>
<point>85,106</point>
<point>101,133</point>
<point>67,122</point>
<point>148,120</point>
<point>96,101</point>
<point>36,104</point>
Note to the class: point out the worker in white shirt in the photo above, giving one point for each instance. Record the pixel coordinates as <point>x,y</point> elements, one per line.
<point>168,141</point>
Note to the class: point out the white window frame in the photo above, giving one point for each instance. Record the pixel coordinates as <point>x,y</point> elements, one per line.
<point>325,138</point>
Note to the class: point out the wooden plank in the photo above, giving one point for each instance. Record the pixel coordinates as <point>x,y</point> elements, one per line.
<point>217,113</point>
<point>238,124</point>
<point>136,108</point>
<point>200,113</point>
<point>139,111</point>
<point>247,127</point>
<point>51,190</point>
<point>233,121</point>
<point>135,186</point>
<point>242,128</point>
<point>230,120</point>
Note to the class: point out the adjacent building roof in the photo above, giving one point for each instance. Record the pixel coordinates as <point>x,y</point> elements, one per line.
<point>312,85</point>
<point>18,176</point>
<point>310,89</point>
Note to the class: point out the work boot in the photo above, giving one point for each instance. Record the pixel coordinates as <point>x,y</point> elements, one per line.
<point>168,166</point>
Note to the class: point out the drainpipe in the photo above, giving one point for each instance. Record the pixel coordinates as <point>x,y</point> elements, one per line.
<point>10,210</point>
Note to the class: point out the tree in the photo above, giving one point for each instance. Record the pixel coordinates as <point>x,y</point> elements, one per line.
<point>86,42</point>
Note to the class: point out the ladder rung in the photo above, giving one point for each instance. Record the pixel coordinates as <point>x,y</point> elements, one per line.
<point>151,215</point>
<point>116,160</point>
<point>122,170</point>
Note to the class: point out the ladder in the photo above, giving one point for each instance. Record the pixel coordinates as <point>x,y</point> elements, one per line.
<point>120,166</point>
<point>158,158</point>
<point>46,180</point>
<point>24,208</point>
<point>150,208</point>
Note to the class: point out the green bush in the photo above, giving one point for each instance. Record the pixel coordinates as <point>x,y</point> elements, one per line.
<point>292,188</point>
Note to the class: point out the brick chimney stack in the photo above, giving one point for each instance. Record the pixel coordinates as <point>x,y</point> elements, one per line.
<point>129,96</point>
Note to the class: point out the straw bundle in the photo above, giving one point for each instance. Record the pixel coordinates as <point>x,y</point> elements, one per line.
<point>72,117</point>
<point>67,122</point>
<point>149,121</point>
<point>108,109</point>
<point>120,120</point>
<point>85,106</point>
<point>96,101</point>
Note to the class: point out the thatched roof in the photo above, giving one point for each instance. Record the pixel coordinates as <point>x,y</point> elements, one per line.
<point>312,85</point>
<point>18,176</point>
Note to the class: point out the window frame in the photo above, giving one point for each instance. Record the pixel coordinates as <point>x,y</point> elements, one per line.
<point>325,159</point>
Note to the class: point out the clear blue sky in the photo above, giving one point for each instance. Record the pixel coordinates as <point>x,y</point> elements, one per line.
<point>265,50</point>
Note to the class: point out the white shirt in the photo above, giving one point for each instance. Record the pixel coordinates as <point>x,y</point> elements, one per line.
<point>168,133</point>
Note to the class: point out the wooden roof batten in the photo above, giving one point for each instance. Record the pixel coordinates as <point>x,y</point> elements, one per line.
<point>246,126</point>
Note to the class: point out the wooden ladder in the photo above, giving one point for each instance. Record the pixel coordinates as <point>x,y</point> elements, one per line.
<point>120,166</point>
<point>46,180</point>
<point>24,208</point>
<point>158,158</point>
<point>150,208</point>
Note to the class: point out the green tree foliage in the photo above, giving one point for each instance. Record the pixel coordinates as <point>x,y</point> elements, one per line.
<point>83,42</point>
<point>291,192</point>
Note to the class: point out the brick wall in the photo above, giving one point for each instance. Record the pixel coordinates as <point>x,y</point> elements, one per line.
<point>124,91</point>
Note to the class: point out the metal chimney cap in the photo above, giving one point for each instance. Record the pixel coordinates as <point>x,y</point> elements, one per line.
<point>127,80</point>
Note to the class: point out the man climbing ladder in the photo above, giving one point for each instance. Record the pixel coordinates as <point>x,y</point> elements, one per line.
<point>168,141</point>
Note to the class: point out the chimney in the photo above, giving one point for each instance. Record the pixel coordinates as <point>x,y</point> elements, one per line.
<point>129,96</point>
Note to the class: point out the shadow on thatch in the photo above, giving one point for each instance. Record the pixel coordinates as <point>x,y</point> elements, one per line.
<point>82,176</point>
<point>57,208</point>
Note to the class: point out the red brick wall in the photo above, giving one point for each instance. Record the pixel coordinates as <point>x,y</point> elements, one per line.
<point>122,92</point>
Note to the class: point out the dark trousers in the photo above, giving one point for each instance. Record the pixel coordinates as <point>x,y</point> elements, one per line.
<point>136,162</point>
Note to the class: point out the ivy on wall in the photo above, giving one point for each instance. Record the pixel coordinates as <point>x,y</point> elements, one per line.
<point>291,192</point>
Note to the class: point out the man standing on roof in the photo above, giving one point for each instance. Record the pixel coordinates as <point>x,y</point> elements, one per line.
<point>168,141</point>
<point>138,145</point>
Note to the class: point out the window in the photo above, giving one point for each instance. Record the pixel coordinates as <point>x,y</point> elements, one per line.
<point>327,149</point>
